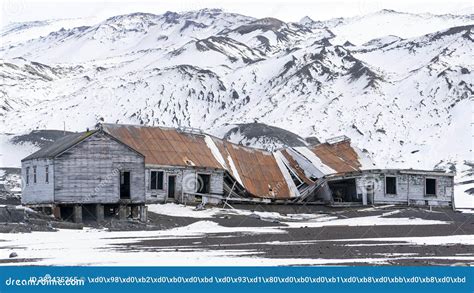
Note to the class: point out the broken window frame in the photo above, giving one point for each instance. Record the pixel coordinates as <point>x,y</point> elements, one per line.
<point>27,175</point>
<point>159,184</point>
<point>435,186</point>
<point>46,174</point>
<point>35,177</point>
<point>395,185</point>
<point>199,188</point>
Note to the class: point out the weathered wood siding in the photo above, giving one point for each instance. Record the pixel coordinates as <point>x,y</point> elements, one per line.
<point>161,195</point>
<point>444,190</point>
<point>41,192</point>
<point>186,179</point>
<point>189,183</point>
<point>89,172</point>
<point>411,189</point>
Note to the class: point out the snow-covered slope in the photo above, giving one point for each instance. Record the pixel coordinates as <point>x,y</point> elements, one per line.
<point>399,85</point>
<point>18,32</point>
<point>361,29</point>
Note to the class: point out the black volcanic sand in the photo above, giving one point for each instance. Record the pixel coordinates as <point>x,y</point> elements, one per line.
<point>316,243</point>
<point>353,248</point>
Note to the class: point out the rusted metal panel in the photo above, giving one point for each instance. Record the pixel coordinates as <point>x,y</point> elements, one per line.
<point>165,146</point>
<point>295,167</point>
<point>257,169</point>
<point>338,156</point>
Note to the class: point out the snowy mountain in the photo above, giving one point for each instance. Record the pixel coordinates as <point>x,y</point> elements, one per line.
<point>399,85</point>
<point>361,29</point>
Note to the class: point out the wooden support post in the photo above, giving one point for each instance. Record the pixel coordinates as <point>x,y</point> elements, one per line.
<point>99,212</point>
<point>57,212</point>
<point>77,214</point>
<point>143,213</point>
<point>135,212</point>
<point>122,212</point>
<point>230,193</point>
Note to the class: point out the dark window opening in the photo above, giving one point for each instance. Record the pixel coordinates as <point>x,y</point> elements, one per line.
<point>27,175</point>
<point>390,185</point>
<point>430,186</point>
<point>156,180</point>
<point>344,191</point>
<point>204,183</point>
<point>46,174</point>
<point>34,174</point>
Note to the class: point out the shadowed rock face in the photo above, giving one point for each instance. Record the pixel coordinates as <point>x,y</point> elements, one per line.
<point>40,138</point>
<point>263,136</point>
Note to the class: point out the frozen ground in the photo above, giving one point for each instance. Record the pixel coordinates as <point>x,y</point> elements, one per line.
<point>259,235</point>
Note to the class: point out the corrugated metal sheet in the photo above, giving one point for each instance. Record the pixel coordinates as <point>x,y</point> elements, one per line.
<point>258,170</point>
<point>165,146</point>
<point>293,164</point>
<point>338,156</point>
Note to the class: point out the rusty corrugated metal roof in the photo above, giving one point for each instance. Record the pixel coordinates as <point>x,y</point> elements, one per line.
<point>257,169</point>
<point>339,156</point>
<point>165,146</point>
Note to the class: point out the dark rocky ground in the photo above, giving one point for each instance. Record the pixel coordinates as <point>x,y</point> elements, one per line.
<point>16,219</point>
<point>318,242</point>
<point>295,243</point>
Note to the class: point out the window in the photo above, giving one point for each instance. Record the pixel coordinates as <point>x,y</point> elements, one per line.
<point>430,186</point>
<point>204,183</point>
<point>34,174</point>
<point>46,174</point>
<point>391,185</point>
<point>27,175</point>
<point>156,180</point>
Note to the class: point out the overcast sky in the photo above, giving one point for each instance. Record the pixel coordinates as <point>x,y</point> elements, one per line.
<point>27,10</point>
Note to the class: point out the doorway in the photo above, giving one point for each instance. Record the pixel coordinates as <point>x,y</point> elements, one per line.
<point>344,190</point>
<point>171,186</point>
<point>124,185</point>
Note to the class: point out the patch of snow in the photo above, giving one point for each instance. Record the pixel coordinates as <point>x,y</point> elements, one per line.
<point>97,247</point>
<point>215,151</point>
<point>466,211</point>
<point>462,199</point>
<point>178,210</point>
<point>11,154</point>
<point>234,170</point>
<point>364,221</point>
<point>286,174</point>
<point>426,240</point>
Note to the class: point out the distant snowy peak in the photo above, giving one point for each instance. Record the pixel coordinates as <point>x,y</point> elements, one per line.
<point>19,32</point>
<point>124,35</point>
<point>306,21</point>
<point>361,29</point>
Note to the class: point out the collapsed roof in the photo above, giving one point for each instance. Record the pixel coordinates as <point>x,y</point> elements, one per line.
<point>277,175</point>
<point>256,170</point>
